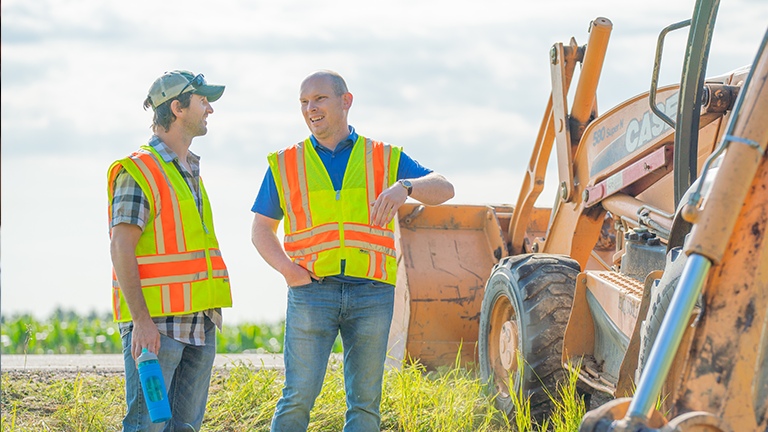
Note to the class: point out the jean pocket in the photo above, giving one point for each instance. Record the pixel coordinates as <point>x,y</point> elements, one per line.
<point>302,286</point>
<point>124,330</point>
<point>380,285</point>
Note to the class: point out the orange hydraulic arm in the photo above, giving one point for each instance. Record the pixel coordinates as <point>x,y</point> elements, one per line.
<point>533,182</point>
<point>556,124</point>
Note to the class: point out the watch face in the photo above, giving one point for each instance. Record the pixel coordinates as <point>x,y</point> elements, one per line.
<point>408,186</point>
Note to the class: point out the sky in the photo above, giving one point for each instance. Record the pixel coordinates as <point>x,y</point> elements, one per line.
<point>461,86</point>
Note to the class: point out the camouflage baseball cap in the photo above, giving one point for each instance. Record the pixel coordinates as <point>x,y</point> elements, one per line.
<point>172,84</point>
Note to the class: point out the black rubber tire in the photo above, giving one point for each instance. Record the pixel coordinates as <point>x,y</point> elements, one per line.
<point>661,296</point>
<point>537,290</point>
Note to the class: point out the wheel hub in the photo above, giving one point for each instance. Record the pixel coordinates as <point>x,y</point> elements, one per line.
<point>508,345</point>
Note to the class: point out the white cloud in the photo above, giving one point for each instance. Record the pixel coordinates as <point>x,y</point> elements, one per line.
<point>461,85</point>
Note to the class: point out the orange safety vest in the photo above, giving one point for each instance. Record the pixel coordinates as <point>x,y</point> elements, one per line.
<point>180,265</point>
<point>324,226</point>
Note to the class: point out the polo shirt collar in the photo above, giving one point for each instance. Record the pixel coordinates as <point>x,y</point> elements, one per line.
<point>349,141</point>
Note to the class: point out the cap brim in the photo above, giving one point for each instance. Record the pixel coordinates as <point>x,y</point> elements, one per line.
<point>211,92</point>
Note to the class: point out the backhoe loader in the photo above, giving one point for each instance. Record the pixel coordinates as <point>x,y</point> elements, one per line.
<point>649,275</point>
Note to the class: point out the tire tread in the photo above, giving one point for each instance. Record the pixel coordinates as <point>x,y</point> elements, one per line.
<point>545,285</point>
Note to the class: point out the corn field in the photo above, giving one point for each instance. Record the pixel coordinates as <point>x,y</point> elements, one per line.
<point>65,332</point>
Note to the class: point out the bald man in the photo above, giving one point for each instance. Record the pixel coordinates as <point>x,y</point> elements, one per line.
<point>339,193</point>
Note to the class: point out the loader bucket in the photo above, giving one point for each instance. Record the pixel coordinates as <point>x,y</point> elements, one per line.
<point>446,254</point>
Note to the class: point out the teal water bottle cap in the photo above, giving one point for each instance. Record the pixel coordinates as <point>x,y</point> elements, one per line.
<point>146,356</point>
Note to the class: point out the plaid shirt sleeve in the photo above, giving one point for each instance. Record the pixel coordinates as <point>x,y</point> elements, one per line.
<point>129,204</point>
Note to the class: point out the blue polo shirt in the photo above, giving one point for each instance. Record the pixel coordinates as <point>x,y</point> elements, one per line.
<point>268,201</point>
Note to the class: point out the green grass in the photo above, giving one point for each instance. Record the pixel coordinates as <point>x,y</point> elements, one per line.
<point>447,400</point>
<point>243,398</point>
<point>65,332</point>
<point>34,402</point>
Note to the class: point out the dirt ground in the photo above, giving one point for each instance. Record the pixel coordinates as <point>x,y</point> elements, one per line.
<point>45,377</point>
<point>51,376</point>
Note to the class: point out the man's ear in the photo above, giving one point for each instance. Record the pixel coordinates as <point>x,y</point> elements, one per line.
<point>346,100</point>
<point>176,108</point>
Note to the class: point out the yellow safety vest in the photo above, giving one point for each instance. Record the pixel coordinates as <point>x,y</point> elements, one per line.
<point>180,264</point>
<point>324,226</point>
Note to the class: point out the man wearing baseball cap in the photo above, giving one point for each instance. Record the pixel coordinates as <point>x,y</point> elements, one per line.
<point>169,281</point>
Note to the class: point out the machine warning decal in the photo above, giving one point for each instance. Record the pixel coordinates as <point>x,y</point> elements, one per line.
<point>640,131</point>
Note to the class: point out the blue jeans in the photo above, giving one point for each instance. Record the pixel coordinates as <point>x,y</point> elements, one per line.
<point>187,375</point>
<point>317,312</point>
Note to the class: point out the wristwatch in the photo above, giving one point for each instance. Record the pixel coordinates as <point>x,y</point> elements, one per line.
<point>407,185</point>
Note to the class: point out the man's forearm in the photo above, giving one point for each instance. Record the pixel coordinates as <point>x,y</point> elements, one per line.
<point>432,189</point>
<point>264,237</point>
<point>125,237</point>
<point>268,246</point>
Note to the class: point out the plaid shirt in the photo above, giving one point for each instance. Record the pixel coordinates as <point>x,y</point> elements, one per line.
<point>130,205</point>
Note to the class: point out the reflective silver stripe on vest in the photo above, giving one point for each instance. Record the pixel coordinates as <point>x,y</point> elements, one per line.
<point>314,249</point>
<point>290,215</point>
<point>369,230</point>
<point>311,263</point>
<point>384,267</point>
<point>187,287</point>
<point>215,252</point>
<point>166,296</point>
<point>386,152</point>
<point>174,279</point>
<point>220,273</point>
<point>302,173</point>
<point>186,294</point>
<point>156,259</point>
<point>371,264</point>
<point>313,232</point>
<point>118,312</point>
<point>116,300</point>
<point>371,185</point>
<point>369,246</point>
<point>159,239</point>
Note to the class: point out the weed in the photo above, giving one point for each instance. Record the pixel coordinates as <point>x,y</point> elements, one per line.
<point>568,405</point>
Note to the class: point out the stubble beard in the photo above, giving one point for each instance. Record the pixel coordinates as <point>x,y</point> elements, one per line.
<point>198,128</point>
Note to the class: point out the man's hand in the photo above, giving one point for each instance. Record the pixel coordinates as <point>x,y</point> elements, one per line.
<point>144,335</point>
<point>386,205</point>
<point>296,275</point>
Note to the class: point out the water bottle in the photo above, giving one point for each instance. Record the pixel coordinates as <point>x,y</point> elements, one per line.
<point>152,383</point>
